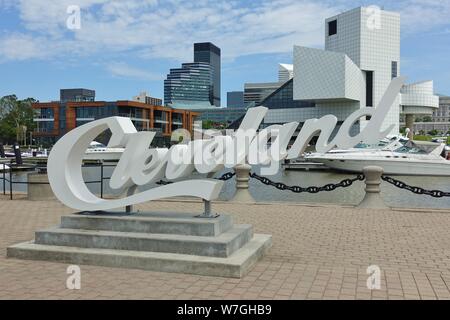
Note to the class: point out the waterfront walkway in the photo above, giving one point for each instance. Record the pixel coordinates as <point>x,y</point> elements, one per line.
<point>319,252</point>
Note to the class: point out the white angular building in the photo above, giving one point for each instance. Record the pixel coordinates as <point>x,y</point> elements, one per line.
<point>361,57</point>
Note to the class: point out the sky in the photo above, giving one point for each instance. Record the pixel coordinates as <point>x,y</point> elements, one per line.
<point>123,47</point>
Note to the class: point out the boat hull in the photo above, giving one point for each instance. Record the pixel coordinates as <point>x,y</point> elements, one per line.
<point>108,156</point>
<point>409,168</point>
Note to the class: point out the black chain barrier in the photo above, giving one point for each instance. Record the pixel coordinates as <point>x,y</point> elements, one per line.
<point>227,176</point>
<point>331,186</point>
<point>224,177</point>
<point>416,190</point>
<point>297,189</point>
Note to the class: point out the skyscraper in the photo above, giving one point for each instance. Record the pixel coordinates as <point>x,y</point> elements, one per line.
<point>209,53</point>
<point>188,85</point>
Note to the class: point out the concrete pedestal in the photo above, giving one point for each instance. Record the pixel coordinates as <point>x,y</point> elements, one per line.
<point>39,187</point>
<point>169,242</point>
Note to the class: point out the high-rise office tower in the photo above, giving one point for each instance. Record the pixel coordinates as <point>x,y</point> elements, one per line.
<point>189,85</point>
<point>208,52</point>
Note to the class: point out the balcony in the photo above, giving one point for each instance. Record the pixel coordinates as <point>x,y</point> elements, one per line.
<point>43,118</point>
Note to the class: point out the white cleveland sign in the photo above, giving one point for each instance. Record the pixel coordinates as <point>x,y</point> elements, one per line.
<point>140,165</point>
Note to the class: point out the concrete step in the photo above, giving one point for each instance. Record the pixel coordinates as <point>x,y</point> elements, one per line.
<point>164,223</point>
<point>236,265</point>
<point>222,245</point>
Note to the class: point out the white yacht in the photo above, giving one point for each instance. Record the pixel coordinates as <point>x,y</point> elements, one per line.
<point>98,151</point>
<point>412,158</point>
<point>3,167</point>
<point>307,163</point>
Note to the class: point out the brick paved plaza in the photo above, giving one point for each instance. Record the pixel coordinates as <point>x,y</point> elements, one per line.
<point>318,252</point>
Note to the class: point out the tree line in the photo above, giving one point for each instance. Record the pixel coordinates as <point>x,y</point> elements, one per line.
<point>16,119</point>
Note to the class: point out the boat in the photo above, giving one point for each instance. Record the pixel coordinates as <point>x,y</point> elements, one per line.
<point>412,158</point>
<point>4,167</point>
<point>303,163</point>
<point>98,151</point>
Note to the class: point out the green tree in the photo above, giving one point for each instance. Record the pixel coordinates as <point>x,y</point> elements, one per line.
<point>16,118</point>
<point>427,119</point>
<point>207,124</point>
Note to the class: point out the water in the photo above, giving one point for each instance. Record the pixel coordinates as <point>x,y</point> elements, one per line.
<point>349,196</point>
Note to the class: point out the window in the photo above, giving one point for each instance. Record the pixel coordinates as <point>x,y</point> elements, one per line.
<point>394,69</point>
<point>332,27</point>
<point>369,88</point>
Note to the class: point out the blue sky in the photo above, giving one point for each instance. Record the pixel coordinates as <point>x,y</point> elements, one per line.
<point>127,46</point>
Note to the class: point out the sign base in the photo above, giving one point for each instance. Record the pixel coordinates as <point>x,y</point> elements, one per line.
<point>167,242</point>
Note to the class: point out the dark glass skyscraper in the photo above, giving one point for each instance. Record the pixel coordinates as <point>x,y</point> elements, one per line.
<point>208,52</point>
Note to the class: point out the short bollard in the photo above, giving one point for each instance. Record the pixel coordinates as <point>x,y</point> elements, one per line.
<point>372,199</point>
<point>242,177</point>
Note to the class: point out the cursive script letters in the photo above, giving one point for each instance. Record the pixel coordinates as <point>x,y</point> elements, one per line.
<point>141,165</point>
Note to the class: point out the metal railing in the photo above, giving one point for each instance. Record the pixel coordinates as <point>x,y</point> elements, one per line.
<point>9,179</point>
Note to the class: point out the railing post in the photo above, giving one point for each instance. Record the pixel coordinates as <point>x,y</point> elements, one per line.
<point>101,180</point>
<point>10,184</point>
<point>372,199</point>
<point>242,178</point>
<point>4,177</point>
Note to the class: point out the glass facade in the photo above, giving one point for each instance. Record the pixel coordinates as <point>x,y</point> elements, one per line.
<point>394,69</point>
<point>283,98</point>
<point>45,120</point>
<point>62,119</point>
<point>177,121</point>
<point>76,95</point>
<point>235,99</point>
<point>45,126</point>
<point>369,88</point>
<point>332,28</point>
<point>209,53</point>
<point>222,115</point>
<point>257,92</point>
<point>191,82</point>
<point>94,113</point>
<point>160,120</point>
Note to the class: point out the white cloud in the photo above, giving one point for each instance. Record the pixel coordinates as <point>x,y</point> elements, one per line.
<point>123,70</point>
<point>424,15</point>
<point>167,29</point>
<point>20,47</point>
